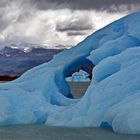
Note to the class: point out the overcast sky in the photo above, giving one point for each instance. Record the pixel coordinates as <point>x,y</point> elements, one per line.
<point>56,22</point>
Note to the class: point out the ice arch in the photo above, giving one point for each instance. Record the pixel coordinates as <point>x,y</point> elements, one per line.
<point>41,94</point>
<point>81,63</point>
<point>82,67</point>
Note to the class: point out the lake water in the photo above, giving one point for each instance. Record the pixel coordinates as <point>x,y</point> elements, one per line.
<point>78,89</point>
<point>42,132</point>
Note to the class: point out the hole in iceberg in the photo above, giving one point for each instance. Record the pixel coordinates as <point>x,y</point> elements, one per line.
<point>78,83</point>
<point>78,77</point>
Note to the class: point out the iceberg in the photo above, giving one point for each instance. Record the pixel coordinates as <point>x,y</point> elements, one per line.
<point>41,95</point>
<point>80,76</point>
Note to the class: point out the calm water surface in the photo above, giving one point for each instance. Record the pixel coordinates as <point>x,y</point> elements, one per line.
<point>43,132</point>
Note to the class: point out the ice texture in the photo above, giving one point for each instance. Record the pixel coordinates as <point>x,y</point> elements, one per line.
<point>41,95</point>
<point>80,76</point>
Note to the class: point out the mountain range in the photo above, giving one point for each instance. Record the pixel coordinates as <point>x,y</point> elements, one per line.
<point>16,59</point>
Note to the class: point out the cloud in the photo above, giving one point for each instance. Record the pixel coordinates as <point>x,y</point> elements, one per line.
<point>76,33</point>
<point>75,23</point>
<point>3,3</point>
<point>82,4</point>
<point>54,22</point>
<point>47,4</point>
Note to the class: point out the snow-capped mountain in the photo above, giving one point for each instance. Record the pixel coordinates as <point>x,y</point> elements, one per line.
<point>15,60</point>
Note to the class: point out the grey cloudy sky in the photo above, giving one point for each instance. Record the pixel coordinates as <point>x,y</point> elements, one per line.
<point>55,22</point>
<point>82,4</point>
